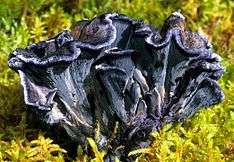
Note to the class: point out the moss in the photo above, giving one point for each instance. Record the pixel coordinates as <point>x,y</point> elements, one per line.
<point>207,136</point>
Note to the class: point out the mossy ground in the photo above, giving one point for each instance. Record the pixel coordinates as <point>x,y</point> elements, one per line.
<point>208,136</point>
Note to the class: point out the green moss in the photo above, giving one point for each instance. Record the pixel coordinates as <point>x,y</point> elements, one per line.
<point>207,136</point>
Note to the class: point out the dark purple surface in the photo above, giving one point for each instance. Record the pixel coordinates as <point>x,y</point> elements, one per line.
<point>116,69</point>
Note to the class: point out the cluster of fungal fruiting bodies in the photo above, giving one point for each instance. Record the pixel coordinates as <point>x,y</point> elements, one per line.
<point>113,69</point>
